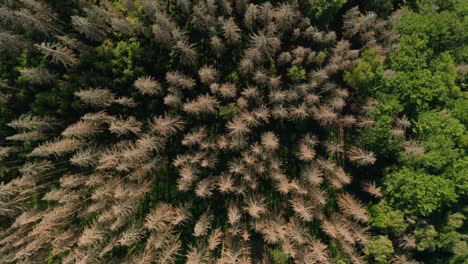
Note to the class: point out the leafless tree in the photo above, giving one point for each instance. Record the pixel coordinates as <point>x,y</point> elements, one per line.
<point>187,53</point>
<point>231,31</point>
<point>11,42</point>
<point>203,224</point>
<point>96,97</point>
<point>147,85</point>
<point>58,53</point>
<point>352,207</point>
<point>413,148</point>
<point>37,75</point>
<point>373,189</point>
<point>208,74</point>
<point>91,30</point>
<point>360,157</point>
<point>56,147</point>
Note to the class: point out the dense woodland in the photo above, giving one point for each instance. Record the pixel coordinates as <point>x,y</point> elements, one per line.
<point>221,131</point>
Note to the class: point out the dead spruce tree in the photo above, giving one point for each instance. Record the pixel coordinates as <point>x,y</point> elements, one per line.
<point>238,156</point>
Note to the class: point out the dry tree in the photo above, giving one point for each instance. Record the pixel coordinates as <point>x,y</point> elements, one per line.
<point>37,75</point>
<point>27,136</point>
<point>82,129</point>
<point>146,85</point>
<point>126,102</point>
<point>31,122</point>
<point>270,141</point>
<point>96,97</point>
<point>232,33</point>
<point>5,152</point>
<point>402,122</point>
<point>85,157</point>
<point>160,218</point>
<point>225,183</point>
<point>204,188</point>
<point>334,147</point>
<point>403,259</point>
<point>325,115</point>
<point>407,242</point>
<point>163,28</point>
<point>40,19</point>
<point>372,189</point>
<point>56,147</point>
<point>208,74</point>
<point>237,128</point>
<point>265,44</point>
<point>199,254</point>
<point>304,209</point>
<point>167,125</point>
<point>413,148</point>
<point>11,42</point>
<point>364,122</point>
<point>361,157</point>
<point>203,104</point>
<point>125,126</point>
<point>228,90</point>
<point>58,53</point>
<point>203,224</point>
<point>250,16</point>
<point>350,206</point>
<point>187,53</point>
<point>180,80</point>
<point>255,206</point>
<point>91,30</point>
<point>122,26</point>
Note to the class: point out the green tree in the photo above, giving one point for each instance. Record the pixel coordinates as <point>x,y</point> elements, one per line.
<point>386,219</point>
<point>421,79</point>
<point>297,73</point>
<point>365,72</point>
<point>325,10</point>
<point>278,256</point>
<point>380,249</point>
<point>426,238</point>
<point>417,192</point>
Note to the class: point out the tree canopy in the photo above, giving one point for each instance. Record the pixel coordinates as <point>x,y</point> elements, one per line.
<point>219,131</point>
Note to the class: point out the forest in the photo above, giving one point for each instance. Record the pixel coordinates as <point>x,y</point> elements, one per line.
<point>233,131</point>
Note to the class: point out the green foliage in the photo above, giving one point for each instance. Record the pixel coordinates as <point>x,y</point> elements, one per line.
<point>278,256</point>
<point>456,220</point>
<point>126,58</point>
<point>380,249</point>
<point>443,138</point>
<point>325,10</point>
<point>321,56</point>
<point>417,192</point>
<point>297,73</point>
<point>459,108</point>
<point>366,71</point>
<point>229,111</point>
<point>448,240</point>
<point>377,137</point>
<point>422,80</point>
<point>386,219</point>
<point>460,251</point>
<point>438,35</point>
<point>426,238</point>
<point>383,7</point>
<point>422,83</point>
